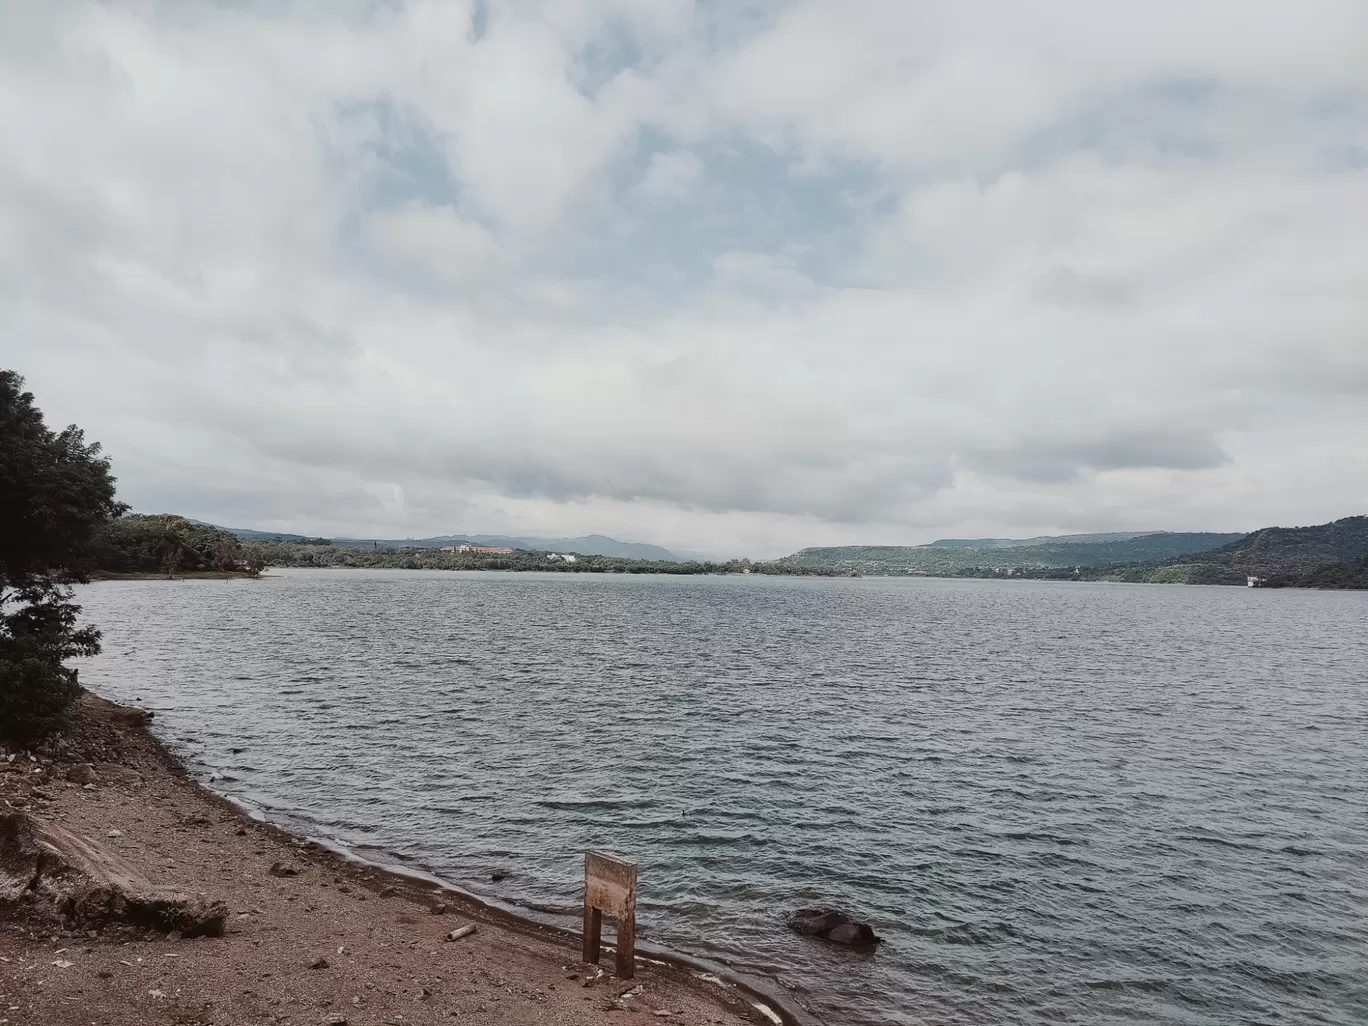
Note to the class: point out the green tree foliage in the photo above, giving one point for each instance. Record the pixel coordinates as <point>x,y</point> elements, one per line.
<point>169,544</point>
<point>56,491</point>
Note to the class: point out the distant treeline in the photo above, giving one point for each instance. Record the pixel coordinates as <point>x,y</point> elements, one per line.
<point>299,554</point>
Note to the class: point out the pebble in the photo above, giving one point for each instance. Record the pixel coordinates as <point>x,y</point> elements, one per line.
<point>319,963</point>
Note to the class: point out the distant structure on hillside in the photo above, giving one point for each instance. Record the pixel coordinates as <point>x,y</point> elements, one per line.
<point>476,548</point>
<point>1254,582</point>
<point>564,558</point>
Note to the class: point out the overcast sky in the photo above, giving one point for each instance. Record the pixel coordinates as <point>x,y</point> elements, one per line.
<point>736,277</point>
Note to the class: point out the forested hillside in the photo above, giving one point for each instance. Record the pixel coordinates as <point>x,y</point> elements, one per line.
<point>170,545</point>
<point>941,559</point>
<point>1333,555</point>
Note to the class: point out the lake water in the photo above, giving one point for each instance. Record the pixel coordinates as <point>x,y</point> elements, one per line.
<point>1058,802</point>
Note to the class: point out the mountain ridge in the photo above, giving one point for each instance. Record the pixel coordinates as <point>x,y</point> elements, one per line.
<point>1330,555</point>
<point>936,559</point>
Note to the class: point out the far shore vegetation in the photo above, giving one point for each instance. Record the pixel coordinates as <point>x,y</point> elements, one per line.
<point>318,553</point>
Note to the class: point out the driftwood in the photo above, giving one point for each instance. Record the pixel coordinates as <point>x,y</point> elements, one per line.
<point>461,931</point>
<point>45,864</point>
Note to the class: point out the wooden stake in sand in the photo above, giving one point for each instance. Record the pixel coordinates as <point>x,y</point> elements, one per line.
<point>610,887</point>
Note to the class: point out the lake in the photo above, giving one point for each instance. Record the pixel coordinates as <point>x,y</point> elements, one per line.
<point>1058,802</point>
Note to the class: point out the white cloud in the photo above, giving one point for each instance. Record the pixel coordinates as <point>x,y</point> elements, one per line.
<point>671,177</point>
<point>434,239</point>
<point>737,278</point>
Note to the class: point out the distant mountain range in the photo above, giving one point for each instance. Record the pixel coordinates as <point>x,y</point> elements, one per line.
<point>588,545</point>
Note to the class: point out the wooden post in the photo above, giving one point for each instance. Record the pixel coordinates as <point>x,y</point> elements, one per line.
<point>610,887</point>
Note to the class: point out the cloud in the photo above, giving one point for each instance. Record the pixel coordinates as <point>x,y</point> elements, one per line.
<point>670,177</point>
<point>433,239</point>
<point>735,278</point>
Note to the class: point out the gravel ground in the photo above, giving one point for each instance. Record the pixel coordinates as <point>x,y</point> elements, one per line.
<point>328,942</point>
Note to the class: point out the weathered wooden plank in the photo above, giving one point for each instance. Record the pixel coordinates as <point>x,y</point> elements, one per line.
<point>610,888</point>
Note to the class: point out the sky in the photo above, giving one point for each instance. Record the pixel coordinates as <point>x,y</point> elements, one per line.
<point>732,277</point>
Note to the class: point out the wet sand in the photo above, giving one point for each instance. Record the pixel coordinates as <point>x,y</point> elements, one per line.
<point>310,937</point>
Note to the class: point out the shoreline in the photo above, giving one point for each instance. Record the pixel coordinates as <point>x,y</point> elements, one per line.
<point>146,795</point>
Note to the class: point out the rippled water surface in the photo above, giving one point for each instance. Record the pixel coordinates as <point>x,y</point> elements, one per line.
<point>1058,802</point>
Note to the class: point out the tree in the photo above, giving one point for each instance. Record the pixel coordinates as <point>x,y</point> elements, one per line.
<point>173,535</point>
<point>55,492</point>
<point>255,559</point>
<point>226,553</point>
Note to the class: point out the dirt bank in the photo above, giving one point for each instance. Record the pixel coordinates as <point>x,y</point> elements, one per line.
<point>307,937</point>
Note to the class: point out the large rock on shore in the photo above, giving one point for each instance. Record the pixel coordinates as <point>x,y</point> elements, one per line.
<point>832,925</point>
<point>46,870</point>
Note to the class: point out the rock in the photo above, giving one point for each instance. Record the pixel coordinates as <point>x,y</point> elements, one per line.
<point>334,1019</point>
<point>283,869</point>
<point>114,833</point>
<point>498,875</point>
<point>83,773</point>
<point>832,925</point>
<point>388,892</point>
<point>90,886</point>
<point>319,963</point>
<point>201,917</point>
<point>439,909</point>
<point>240,832</point>
<point>113,773</point>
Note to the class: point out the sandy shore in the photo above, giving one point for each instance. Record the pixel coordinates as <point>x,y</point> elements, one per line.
<point>315,940</point>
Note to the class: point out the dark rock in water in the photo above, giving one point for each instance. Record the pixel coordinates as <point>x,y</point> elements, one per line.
<point>833,925</point>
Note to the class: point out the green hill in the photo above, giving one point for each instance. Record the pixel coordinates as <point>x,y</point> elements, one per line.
<point>941,559</point>
<point>1333,555</point>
